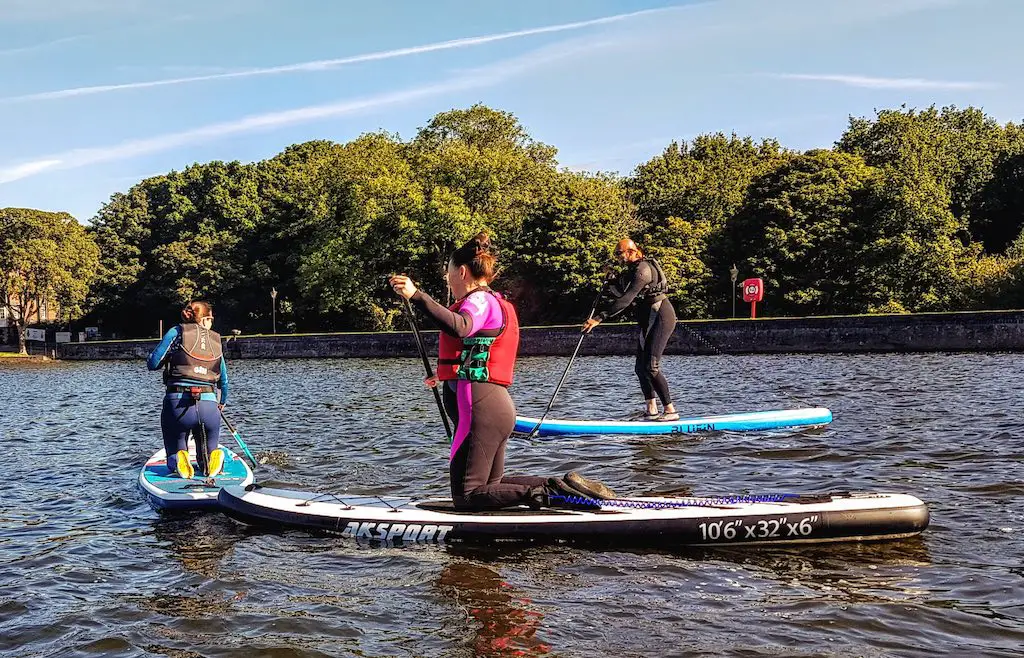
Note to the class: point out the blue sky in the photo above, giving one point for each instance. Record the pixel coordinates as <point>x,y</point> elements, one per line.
<point>98,94</point>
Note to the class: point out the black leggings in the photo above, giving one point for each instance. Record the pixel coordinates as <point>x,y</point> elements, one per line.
<point>656,328</point>
<point>478,465</point>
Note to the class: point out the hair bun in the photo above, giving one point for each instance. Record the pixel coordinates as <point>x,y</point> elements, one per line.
<point>195,311</point>
<point>483,243</point>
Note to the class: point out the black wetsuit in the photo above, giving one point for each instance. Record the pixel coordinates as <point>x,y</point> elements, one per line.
<point>644,282</point>
<point>477,466</point>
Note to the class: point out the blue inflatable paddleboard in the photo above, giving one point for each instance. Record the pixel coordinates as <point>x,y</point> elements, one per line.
<point>166,489</point>
<point>743,422</point>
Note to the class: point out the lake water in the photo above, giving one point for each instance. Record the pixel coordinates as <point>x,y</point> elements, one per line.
<point>87,568</point>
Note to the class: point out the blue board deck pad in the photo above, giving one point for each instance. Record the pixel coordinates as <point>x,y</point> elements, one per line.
<point>644,521</point>
<point>165,489</point>
<point>741,422</point>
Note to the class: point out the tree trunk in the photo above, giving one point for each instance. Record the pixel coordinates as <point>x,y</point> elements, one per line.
<point>20,328</point>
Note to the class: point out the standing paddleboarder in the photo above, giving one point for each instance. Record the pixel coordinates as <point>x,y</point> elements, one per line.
<point>194,367</point>
<point>477,349</point>
<point>644,282</point>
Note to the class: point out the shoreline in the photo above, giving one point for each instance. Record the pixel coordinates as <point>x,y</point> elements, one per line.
<point>16,356</point>
<point>975,331</point>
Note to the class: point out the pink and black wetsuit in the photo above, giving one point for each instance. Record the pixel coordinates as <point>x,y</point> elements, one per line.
<point>483,411</point>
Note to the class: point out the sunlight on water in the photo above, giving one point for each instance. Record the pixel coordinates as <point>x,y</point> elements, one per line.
<point>87,568</point>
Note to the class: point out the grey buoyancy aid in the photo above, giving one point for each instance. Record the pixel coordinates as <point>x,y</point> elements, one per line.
<point>651,293</point>
<point>197,359</point>
<point>658,287</point>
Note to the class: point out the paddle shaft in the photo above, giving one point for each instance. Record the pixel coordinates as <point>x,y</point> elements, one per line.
<point>561,381</point>
<point>238,439</point>
<point>426,366</point>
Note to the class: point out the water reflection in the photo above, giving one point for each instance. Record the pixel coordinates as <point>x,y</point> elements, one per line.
<point>199,541</point>
<point>884,572</point>
<point>502,620</point>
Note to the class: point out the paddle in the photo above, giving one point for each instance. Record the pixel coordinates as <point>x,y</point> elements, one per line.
<point>579,344</point>
<point>426,366</point>
<point>238,439</point>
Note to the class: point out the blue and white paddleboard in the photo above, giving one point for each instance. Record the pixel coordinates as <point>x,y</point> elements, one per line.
<point>166,489</point>
<point>755,420</point>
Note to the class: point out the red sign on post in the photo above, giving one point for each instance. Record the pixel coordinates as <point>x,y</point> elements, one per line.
<point>753,292</point>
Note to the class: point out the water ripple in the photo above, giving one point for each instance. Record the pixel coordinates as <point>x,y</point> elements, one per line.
<point>88,569</point>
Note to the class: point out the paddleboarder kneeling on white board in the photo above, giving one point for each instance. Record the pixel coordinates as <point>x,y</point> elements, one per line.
<point>643,282</point>
<point>194,368</point>
<point>478,346</point>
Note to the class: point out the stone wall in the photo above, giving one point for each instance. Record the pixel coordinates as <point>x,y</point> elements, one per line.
<point>925,332</point>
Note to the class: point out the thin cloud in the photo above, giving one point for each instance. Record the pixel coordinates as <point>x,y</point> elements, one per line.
<point>42,10</point>
<point>619,152</point>
<point>28,169</point>
<point>253,123</point>
<point>475,78</point>
<point>180,69</point>
<point>42,46</point>
<point>328,64</point>
<point>868,82</point>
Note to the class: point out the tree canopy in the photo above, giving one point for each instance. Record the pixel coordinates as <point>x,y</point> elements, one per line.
<point>911,210</point>
<point>45,257</point>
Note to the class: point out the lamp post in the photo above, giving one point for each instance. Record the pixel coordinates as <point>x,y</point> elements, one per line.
<point>733,273</point>
<point>273,312</point>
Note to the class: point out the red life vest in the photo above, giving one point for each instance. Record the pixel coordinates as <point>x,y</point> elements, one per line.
<point>488,356</point>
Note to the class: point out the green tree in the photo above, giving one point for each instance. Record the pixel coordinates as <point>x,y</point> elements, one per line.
<point>485,158</point>
<point>997,215</point>
<point>934,165</point>
<point>990,282</point>
<point>298,193</point>
<point>43,256</point>
<point>705,180</point>
<point>122,232</point>
<point>912,251</point>
<point>685,199</point>
<point>403,207</point>
<point>800,230</point>
<point>178,237</point>
<point>557,268</point>
<point>886,221</point>
<point>682,247</point>
<point>962,150</point>
<point>377,227</point>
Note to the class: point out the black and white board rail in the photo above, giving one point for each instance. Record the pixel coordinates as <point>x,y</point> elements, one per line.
<point>649,521</point>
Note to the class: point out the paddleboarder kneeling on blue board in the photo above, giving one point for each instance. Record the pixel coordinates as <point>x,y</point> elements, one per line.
<point>194,367</point>
<point>478,346</point>
<point>644,282</point>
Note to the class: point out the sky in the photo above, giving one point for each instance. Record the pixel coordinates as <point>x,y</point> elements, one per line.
<point>96,95</point>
